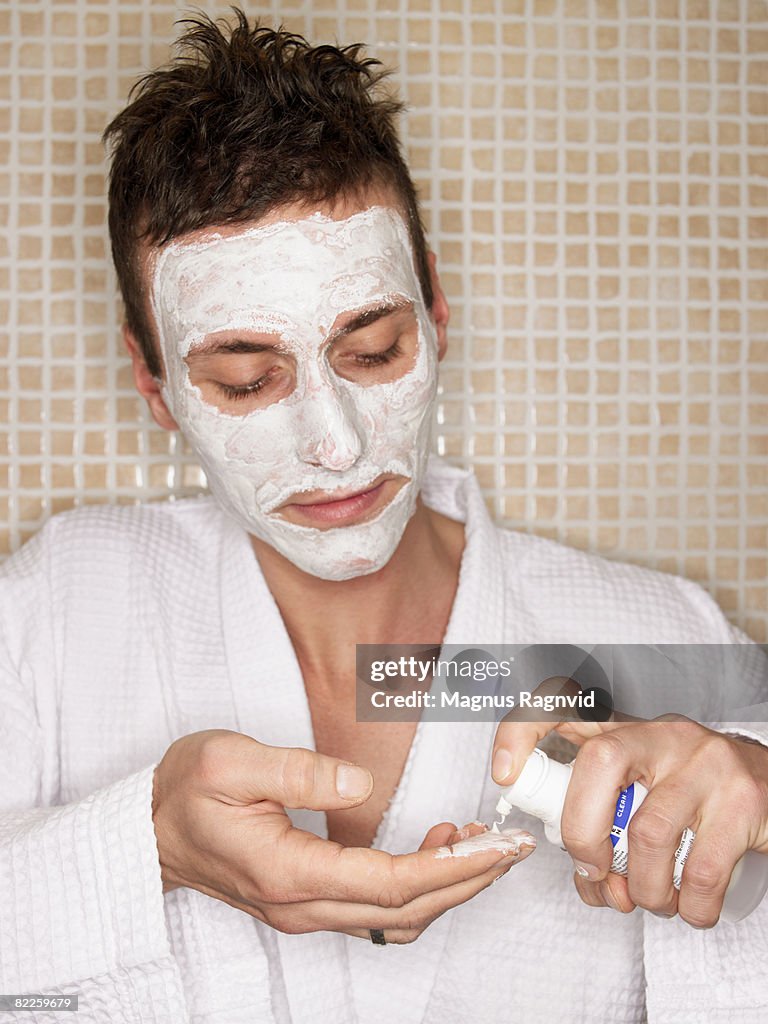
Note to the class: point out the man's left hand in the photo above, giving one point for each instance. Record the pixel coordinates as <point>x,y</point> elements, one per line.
<point>715,784</point>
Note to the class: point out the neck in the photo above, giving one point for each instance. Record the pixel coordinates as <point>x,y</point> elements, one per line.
<point>407,601</point>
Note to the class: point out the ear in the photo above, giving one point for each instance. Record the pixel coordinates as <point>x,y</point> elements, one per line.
<point>441,314</point>
<point>147,385</point>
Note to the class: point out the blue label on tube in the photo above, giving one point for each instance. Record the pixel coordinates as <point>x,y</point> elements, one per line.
<point>623,812</point>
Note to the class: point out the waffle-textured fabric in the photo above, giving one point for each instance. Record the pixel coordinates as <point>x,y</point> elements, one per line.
<point>124,628</point>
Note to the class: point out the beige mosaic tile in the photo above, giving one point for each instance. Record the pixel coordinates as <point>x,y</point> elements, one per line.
<point>595,181</point>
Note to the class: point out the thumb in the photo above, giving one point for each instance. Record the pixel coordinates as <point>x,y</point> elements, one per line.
<point>513,743</point>
<point>522,729</point>
<point>297,777</point>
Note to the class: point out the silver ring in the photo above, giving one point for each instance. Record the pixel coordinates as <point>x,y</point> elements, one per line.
<point>377,937</point>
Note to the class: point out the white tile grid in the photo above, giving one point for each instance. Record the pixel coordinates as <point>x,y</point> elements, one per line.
<point>502,436</point>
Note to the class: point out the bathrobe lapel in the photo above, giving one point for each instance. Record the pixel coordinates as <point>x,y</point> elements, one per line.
<point>446,768</point>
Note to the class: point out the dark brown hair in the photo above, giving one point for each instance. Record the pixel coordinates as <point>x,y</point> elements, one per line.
<point>243,120</point>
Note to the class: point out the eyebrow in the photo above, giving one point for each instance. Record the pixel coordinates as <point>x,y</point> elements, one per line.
<point>369,316</point>
<point>364,318</point>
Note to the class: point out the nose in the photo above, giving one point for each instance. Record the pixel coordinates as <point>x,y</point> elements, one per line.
<point>328,435</point>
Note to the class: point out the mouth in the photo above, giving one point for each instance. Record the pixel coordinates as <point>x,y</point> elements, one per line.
<point>336,507</point>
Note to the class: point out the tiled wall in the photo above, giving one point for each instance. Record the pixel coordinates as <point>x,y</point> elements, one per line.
<point>595,178</point>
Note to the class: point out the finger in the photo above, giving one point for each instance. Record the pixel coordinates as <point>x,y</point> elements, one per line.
<point>392,937</point>
<point>601,770</point>
<point>319,869</point>
<point>706,875</point>
<point>611,892</point>
<point>654,836</point>
<point>578,731</point>
<point>413,917</point>
<point>523,728</point>
<point>605,765</point>
<point>614,890</point>
<point>474,828</point>
<point>589,892</point>
<point>439,835</point>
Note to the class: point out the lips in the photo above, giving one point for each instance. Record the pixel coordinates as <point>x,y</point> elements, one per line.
<point>334,497</point>
<point>334,509</point>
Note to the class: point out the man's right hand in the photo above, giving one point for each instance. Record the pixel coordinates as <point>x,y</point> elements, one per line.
<point>219,812</point>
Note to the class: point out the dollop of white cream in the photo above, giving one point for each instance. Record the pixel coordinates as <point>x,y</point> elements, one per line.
<point>510,841</point>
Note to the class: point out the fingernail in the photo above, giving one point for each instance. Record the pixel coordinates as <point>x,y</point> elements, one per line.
<point>610,900</point>
<point>502,765</point>
<point>352,782</point>
<point>586,870</point>
<point>512,858</point>
<point>526,844</point>
<point>658,913</point>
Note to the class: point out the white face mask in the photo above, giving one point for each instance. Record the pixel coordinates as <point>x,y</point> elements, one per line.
<point>294,279</point>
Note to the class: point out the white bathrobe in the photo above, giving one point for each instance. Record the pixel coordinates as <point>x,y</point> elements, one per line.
<point>126,627</point>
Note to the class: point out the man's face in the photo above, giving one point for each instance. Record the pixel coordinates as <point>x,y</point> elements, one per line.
<point>301,366</point>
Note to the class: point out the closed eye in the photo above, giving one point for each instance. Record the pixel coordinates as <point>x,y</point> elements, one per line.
<point>240,391</point>
<point>379,358</point>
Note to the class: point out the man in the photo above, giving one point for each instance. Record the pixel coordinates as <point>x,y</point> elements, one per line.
<point>178,675</point>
